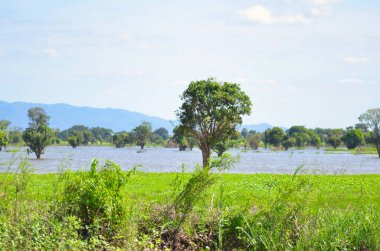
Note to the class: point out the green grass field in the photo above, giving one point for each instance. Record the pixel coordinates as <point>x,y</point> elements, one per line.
<point>190,211</point>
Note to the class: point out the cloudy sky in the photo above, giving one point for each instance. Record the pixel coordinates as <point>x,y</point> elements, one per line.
<point>308,62</point>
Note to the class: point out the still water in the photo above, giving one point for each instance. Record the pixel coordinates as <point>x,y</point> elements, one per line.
<point>171,160</point>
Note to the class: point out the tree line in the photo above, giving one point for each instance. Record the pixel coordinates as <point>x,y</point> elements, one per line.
<point>208,118</point>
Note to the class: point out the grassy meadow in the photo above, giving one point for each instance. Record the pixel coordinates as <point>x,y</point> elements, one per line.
<point>108,209</point>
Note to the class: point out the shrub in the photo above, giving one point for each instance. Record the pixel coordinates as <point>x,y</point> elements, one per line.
<point>94,197</point>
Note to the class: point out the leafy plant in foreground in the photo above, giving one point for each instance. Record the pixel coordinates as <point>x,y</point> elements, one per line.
<point>95,198</point>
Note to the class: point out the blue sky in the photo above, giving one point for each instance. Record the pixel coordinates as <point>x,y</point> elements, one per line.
<point>308,62</point>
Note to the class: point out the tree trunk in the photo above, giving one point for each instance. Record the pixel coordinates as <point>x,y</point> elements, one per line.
<point>206,152</point>
<point>142,147</point>
<point>38,155</point>
<point>0,148</point>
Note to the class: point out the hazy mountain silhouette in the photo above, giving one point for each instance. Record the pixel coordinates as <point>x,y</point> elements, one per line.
<point>64,116</point>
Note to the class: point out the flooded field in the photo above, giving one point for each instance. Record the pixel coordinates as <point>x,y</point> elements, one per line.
<point>171,160</point>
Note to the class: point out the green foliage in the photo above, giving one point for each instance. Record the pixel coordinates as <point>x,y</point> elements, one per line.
<point>211,111</point>
<point>94,197</point>
<point>301,138</point>
<point>274,136</point>
<point>4,136</point>
<point>315,139</point>
<point>120,139</point>
<point>180,137</point>
<point>353,138</point>
<point>254,141</point>
<point>15,135</point>
<point>334,141</point>
<point>289,142</point>
<point>223,145</point>
<point>73,140</point>
<point>4,139</point>
<point>37,136</point>
<point>141,134</point>
<point>162,132</point>
<point>372,119</point>
<point>4,124</point>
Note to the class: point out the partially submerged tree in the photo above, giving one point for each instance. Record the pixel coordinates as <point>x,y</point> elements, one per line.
<point>120,139</point>
<point>38,134</point>
<point>4,136</point>
<point>274,136</point>
<point>372,119</point>
<point>141,134</point>
<point>211,111</point>
<point>353,138</point>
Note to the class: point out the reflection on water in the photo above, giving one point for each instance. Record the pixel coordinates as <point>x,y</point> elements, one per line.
<point>171,160</point>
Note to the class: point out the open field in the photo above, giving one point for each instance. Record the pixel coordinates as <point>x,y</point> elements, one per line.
<point>194,211</point>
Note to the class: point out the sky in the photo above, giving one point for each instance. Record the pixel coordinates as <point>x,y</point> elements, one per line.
<point>302,62</point>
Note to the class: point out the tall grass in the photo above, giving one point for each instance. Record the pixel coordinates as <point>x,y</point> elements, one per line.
<point>105,208</point>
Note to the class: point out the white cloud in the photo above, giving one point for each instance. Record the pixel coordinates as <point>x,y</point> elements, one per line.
<point>356,60</point>
<point>322,2</point>
<point>263,15</point>
<point>321,7</point>
<point>351,81</point>
<point>321,11</point>
<point>53,53</point>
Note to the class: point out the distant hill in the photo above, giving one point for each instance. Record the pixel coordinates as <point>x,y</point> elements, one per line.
<point>64,116</point>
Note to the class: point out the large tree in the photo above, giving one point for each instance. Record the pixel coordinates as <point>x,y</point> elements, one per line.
<point>38,134</point>
<point>211,111</point>
<point>372,119</point>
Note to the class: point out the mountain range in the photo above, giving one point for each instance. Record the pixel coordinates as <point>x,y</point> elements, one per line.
<point>64,116</point>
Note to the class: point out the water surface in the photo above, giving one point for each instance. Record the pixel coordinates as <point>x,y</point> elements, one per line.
<point>171,160</point>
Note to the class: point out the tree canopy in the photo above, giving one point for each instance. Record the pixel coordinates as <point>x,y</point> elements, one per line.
<point>211,111</point>
<point>372,119</point>
<point>38,134</point>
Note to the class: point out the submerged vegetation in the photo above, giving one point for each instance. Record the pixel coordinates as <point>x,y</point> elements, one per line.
<point>107,209</point>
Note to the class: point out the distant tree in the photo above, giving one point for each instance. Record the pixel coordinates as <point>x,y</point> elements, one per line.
<point>38,134</point>
<point>334,140</point>
<point>362,126</point>
<point>244,133</point>
<point>15,135</point>
<point>266,137</point>
<point>162,132</point>
<point>4,136</point>
<point>315,139</point>
<point>296,129</point>
<point>254,140</point>
<point>101,134</point>
<point>120,139</point>
<point>225,144</point>
<point>141,134</point>
<point>4,124</point>
<point>275,136</point>
<point>353,138</point>
<point>73,140</point>
<point>301,138</point>
<point>87,137</point>
<point>179,137</point>
<point>372,119</point>
<point>288,142</point>
<point>4,139</point>
<point>211,111</point>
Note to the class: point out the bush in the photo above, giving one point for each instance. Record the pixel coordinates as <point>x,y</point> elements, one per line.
<point>94,198</point>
